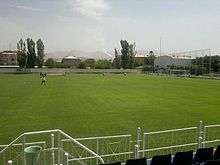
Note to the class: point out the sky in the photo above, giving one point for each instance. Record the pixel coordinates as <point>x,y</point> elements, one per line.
<point>99,25</point>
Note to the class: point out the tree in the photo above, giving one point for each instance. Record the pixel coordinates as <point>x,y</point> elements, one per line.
<point>103,64</point>
<point>215,63</point>
<point>131,56</point>
<point>50,63</point>
<point>90,63</point>
<point>150,59</point>
<point>82,65</point>
<point>22,56</point>
<point>124,52</point>
<point>117,59</point>
<point>40,53</point>
<point>31,55</point>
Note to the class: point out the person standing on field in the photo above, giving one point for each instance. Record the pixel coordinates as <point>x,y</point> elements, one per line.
<point>43,77</point>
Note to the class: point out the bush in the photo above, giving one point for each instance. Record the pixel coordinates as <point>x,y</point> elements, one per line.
<point>82,65</point>
<point>103,64</point>
<point>51,63</point>
<point>147,68</point>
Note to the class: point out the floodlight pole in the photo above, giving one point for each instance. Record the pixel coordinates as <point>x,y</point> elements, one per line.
<point>160,46</point>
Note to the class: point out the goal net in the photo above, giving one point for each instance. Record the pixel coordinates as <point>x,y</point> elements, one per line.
<point>179,73</point>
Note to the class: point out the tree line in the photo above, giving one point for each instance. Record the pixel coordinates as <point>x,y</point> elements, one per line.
<point>126,58</point>
<point>27,57</point>
<point>85,64</point>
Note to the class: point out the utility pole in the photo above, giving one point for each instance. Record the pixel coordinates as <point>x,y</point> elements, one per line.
<point>202,61</point>
<point>160,46</point>
<point>210,62</point>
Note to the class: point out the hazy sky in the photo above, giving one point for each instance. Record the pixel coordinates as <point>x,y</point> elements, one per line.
<point>92,25</point>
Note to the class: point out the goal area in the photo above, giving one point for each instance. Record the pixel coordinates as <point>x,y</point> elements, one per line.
<point>179,72</point>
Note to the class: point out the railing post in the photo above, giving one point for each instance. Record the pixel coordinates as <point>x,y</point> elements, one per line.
<point>9,162</point>
<point>44,153</point>
<point>4,160</point>
<point>138,136</point>
<point>143,148</point>
<point>200,142</point>
<point>204,136</point>
<point>200,133</point>
<point>52,149</point>
<point>61,156</point>
<point>23,147</point>
<point>129,156</point>
<point>59,145</point>
<point>97,151</point>
<point>136,151</point>
<point>66,159</point>
<point>200,128</point>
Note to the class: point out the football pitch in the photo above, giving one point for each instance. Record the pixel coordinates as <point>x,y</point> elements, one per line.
<point>85,105</point>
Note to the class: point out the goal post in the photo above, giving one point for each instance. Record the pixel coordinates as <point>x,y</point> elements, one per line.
<point>179,72</point>
<point>201,61</point>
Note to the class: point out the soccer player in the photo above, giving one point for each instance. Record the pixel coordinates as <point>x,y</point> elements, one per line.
<point>43,77</point>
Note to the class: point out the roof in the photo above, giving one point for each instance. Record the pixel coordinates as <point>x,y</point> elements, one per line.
<point>70,57</point>
<point>8,53</point>
<point>140,55</point>
<point>176,57</point>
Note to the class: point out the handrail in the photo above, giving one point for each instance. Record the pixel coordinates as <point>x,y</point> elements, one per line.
<point>168,147</point>
<point>27,133</point>
<point>171,130</point>
<point>81,145</point>
<point>52,131</point>
<point>10,144</point>
<point>98,137</point>
<point>41,132</point>
<point>103,137</point>
<point>211,126</point>
<point>211,141</point>
<point>20,144</point>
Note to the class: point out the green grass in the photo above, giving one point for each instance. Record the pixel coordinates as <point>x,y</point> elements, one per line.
<point>85,105</point>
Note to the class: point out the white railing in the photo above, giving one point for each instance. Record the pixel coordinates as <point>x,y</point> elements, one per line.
<point>169,141</point>
<point>59,148</point>
<point>211,136</point>
<point>54,150</point>
<point>110,148</point>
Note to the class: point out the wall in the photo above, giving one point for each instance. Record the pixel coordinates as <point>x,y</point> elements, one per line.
<point>63,70</point>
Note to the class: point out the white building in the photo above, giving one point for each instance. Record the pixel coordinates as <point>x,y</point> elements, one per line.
<point>165,62</point>
<point>8,58</point>
<point>72,61</point>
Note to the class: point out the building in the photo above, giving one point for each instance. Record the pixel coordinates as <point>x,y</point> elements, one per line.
<point>71,61</point>
<point>165,62</point>
<point>8,58</point>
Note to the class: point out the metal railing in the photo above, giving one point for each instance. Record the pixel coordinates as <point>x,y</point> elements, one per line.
<point>52,150</point>
<point>110,148</point>
<point>211,136</point>
<point>169,141</point>
<point>59,148</point>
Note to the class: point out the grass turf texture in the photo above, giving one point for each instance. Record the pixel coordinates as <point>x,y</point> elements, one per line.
<point>85,105</point>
